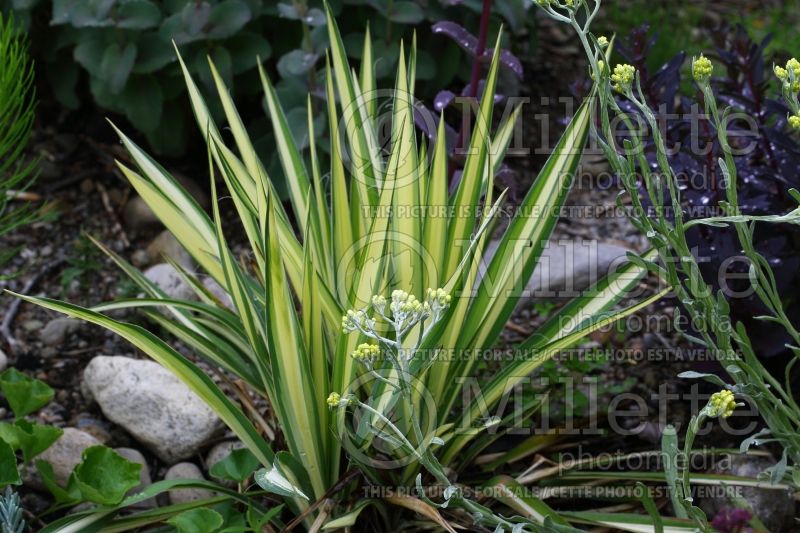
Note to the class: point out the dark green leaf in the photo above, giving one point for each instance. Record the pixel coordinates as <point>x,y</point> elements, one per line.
<point>245,49</point>
<point>227,18</point>
<point>116,65</point>
<point>236,467</point>
<point>195,17</point>
<point>23,393</point>
<point>153,54</point>
<point>296,63</point>
<point>143,102</point>
<point>89,54</point>
<point>104,476</point>
<point>406,13</point>
<point>199,520</point>
<point>9,475</point>
<point>138,15</point>
<point>312,17</point>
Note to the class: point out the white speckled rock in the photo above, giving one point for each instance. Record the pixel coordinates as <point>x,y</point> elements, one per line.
<point>168,280</point>
<point>151,404</point>
<point>186,471</point>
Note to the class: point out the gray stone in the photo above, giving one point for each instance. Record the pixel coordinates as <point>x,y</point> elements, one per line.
<point>32,325</point>
<point>218,291</point>
<point>165,245</point>
<point>138,216</point>
<point>186,471</point>
<point>170,281</point>
<point>3,360</point>
<point>153,405</point>
<point>56,331</point>
<point>218,453</point>
<point>145,480</point>
<point>140,258</point>
<point>65,453</point>
<point>566,268</point>
<point>775,508</point>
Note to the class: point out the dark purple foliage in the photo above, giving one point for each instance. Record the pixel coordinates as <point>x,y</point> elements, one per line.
<point>766,169</point>
<point>481,54</point>
<point>732,521</point>
<point>469,43</point>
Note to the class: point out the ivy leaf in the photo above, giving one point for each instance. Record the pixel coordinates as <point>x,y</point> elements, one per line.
<point>24,393</point>
<point>227,18</point>
<point>116,65</point>
<point>31,438</point>
<point>235,467</point>
<point>200,520</point>
<point>104,476</point>
<point>9,475</point>
<point>138,15</point>
<point>62,495</point>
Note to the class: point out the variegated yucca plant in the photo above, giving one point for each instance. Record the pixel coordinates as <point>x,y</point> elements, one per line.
<point>375,221</point>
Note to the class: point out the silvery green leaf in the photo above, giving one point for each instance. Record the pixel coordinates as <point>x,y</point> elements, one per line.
<point>752,440</point>
<point>777,472</point>
<point>437,441</point>
<point>713,378</point>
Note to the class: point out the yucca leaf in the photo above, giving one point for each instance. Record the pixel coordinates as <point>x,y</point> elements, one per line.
<point>295,398</point>
<point>366,164</point>
<point>294,169</point>
<point>366,77</point>
<point>523,365</point>
<point>467,195</point>
<point>522,243</point>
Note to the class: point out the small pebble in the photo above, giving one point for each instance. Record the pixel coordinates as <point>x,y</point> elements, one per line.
<point>186,471</point>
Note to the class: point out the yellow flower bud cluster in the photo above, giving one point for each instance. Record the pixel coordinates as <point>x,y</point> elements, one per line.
<point>602,41</point>
<point>334,399</point>
<point>623,76</point>
<point>794,122</point>
<point>366,352</point>
<point>354,320</point>
<point>379,302</point>
<point>404,304</point>
<point>790,76</point>
<point>438,297</point>
<point>702,69</point>
<point>721,404</point>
